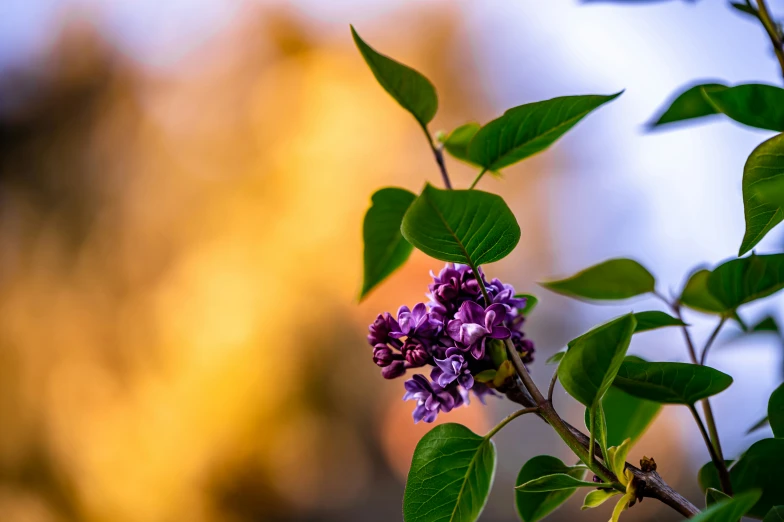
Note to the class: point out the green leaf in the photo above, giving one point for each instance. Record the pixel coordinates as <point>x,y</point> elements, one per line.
<point>450,477</point>
<point>597,426</point>
<point>745,8</point>
<point>655,319</point>
<point>776,514</point>
<point>776,411</point>
<point>756,105</point>
<point>610,280</point>
<point>462,226</point>
<point>528,129</point>
<point>535,506</point>
<point>696,295</point>
<point>728,510</point>
<point>761,468</point>
<point>409,88</point>
<point>741,281</point>
<point>627,416</point>
<point>530,303</point>
<point>598,497</point>
<point>556,357</point>
<point>712,496</point>
<point>765,421</point>
<point>762,174</point>
<point>456,144</point>
<point>616,457</point>
<point>768,324</point>
<point>670,382</point>
<point>554,482</point>
<point>592,360</point>
<point>708,476</point>
<point>385,248</point>
<point>688,104</point>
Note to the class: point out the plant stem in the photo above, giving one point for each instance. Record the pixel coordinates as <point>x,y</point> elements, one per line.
<point>724,475</point>
<point>547,412</point>
<point>509,419</point>
<point>476,180</point>
<point>773,34</point>
<point>478,277</point>
<point>552,386</point>
<point>712,338</point>
<point>713,441</point>
<point>439,155</point>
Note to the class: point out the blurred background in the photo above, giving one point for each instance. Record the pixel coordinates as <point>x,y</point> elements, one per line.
<point>182,186</point>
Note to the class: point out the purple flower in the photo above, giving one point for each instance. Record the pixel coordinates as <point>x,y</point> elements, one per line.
<point>383,355</point>
<point>394,370</point>
<point>525,347</point>
<point>430,398</point>
<point>416,323</point>
<point>473,324</point>
<point>380,329</point>
<point>442,333</point>
<point>453,368</point>
<point>415,353</point>
<point>454,285</point>
<point>504,294</point>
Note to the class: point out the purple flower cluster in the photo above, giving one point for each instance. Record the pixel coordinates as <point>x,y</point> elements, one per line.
<point>451,333</point>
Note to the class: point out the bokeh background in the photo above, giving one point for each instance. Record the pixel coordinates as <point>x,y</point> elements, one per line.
<point>182,185</point>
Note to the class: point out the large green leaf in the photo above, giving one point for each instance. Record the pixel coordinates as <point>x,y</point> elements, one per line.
<point>535,506</point>
<point>697,296</point>
<point>385,248</point>
<point>592,360</point>
<point>729,509</point>
<point>555,482</point>
<point>776,411</point>
<point>528,129</point>
<point>457,142</point>
<point>761,468</point>
<point>776,514</point>
<point>450,477</point>
<point>609,280</point>
<point>655,319</point>
<point>756,105</point>
<point>688,104</point>
<point>409,88</point>
<point>740,281</point>
<point>670,382</point>
<point>762,175</point>
<point>462,226</point>
<point>627,416</point>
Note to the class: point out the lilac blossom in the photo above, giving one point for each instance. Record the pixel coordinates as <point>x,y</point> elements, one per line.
<point>473,325</point>
<point>449,334</point>
<point>430,398</point>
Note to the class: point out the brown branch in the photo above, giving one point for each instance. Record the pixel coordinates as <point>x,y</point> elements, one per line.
<point>649,482</point>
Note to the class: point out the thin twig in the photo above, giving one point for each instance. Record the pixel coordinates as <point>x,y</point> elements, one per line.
<point>439,155</point>
<point>552,386</point>
<point>509,419</point>
<point>724,475</point>
<point>712,338</point>
<point>773,34</point>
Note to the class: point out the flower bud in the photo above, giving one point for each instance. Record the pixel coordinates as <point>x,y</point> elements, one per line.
<point>395,369</point>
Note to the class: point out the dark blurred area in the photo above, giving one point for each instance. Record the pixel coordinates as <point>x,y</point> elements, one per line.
<point>179,263</point>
